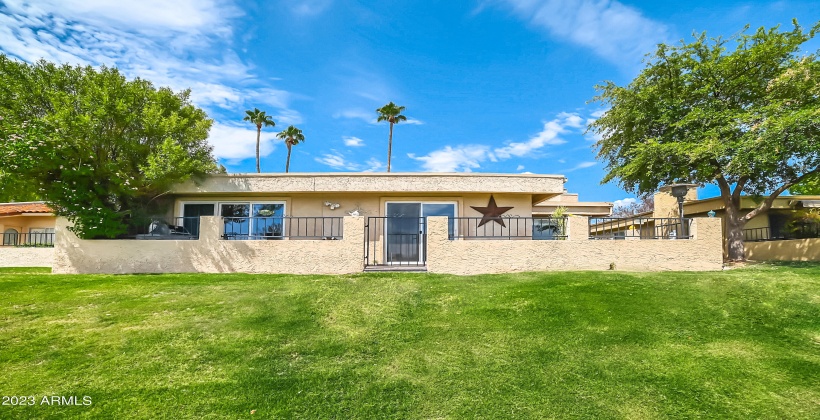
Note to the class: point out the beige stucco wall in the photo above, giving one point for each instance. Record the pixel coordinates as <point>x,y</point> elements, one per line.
<point>466,257</point>
<point>788,250</point>
<point>26,257</point>
<point>23,223</point>
<point>213,255</point>
<point>666,205</point>
<point>210,254</point>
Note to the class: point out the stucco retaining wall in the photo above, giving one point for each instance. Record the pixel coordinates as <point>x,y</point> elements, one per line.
<point>210,254</point>
<point>465,257</point>
<point>787,250</point>
<point>26,257</point>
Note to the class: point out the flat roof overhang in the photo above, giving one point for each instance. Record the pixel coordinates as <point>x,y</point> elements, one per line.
<point>582,208</point>
<point>539,186</point>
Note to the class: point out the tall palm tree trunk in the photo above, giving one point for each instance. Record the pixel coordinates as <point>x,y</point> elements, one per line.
<point>287,165</point>
<point>258,132</point>
<point>390,146</point>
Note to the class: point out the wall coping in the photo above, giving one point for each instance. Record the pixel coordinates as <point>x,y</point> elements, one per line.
<point>401,182</point>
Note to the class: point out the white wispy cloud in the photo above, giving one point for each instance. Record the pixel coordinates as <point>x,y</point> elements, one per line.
<point>582,165</point>
<point>351,141</point>
<point>547,136</point>
<point>309,7</point>
<point>463,158</point>
<point>468,157</point>
<point>337,160</point>
<point>624,202</point>
<point>519,168</point>
<point>369,117</point>
<point>357,114</point>
<point>373,165</point>
<point>181,44</point>
<point>234,142</point>
<point>614,31</point>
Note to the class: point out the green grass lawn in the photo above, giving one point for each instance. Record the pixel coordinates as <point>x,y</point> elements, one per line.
<point>742,343</point>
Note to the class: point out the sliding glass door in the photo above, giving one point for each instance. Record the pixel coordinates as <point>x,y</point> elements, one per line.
<point>406,229</point>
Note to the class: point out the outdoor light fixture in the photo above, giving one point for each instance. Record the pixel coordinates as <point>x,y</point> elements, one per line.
<point>679,191</point>
<point>711,213</point>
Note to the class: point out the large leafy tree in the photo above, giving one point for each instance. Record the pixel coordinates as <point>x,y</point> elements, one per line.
<point>292,136</point>
<point>809,186</point>
<point>392,114</point>
<point>742,113</point>
<point>99,148</point>
<point>259,119</point>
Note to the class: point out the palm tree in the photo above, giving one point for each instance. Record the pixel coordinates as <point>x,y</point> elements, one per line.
<point>291,136</point>
<point>258,118</point>
<point>392,114</point>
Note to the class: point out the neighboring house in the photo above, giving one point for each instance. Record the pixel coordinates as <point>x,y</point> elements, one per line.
<point>768,236</point>
<point>459,223</point>
<point>773,235</point>
<point>27,235</point>
<point>26,224</point>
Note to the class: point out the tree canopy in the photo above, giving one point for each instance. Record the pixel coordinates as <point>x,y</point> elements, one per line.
<point>809,186</point>
<point>99,148</point>
<point>745,118</point>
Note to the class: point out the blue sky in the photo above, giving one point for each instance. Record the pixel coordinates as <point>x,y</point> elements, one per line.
<point>489,86</point>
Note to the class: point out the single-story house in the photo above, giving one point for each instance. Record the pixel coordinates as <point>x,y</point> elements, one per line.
<point>460,223</point>
<point>29,223</point>
<point>767,236</point>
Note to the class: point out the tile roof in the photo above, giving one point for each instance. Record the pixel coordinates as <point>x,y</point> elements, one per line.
<point>11,209</point>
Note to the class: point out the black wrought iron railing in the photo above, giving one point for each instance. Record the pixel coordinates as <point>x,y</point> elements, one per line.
<point>30,239</point>
<point>759,234</point>
<point>639,228</point>
<point>804,231</point>
<point>290,227</point>
<point>160,227</point>
<point>395,241</point>
<point>535,228</point>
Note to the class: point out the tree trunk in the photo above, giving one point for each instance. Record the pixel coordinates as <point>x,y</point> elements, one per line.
<point>390,146</point>
<point>287,165</point>
<point>258,133</point>
<point>734,238</point>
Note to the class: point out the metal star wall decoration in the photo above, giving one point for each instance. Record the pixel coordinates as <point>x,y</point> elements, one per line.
<point>491,212</point>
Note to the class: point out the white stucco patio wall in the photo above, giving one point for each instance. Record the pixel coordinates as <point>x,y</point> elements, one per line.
<point>468,256</point>
<point>26,256</point>
<point>210,253</point>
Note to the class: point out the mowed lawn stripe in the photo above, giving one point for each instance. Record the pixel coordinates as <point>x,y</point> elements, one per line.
<point>735,344</point>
